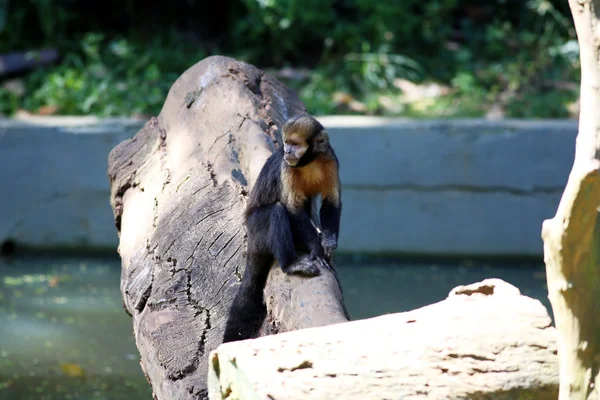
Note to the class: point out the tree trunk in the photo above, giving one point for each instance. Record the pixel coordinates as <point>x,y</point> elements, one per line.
<point>485,341</point>
<point>178,190</point>
<point>572,237</point>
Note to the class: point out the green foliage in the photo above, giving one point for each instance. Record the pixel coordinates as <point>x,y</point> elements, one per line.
<point>3,14</point>
<point>281,26</point>
<point>109,78</point>
<point>9,102</point>
<point>517,55</point>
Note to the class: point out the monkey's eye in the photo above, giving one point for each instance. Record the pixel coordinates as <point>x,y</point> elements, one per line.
<point>320,141</point>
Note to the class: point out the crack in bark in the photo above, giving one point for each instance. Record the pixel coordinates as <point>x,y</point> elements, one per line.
<point>213,176</point>
<point>227,280</point>
<point>493,371</point>
<point>143,300</point>
<point>207,327</point>
<point>193,365</point>
<point>263,111</point>
<point>213,242</point>
<point>473,356</point>
<point>182,182</point>
<point>191,256</point>
<point>221,136</point>
<point>226,244</point>
<point>187,231</point>
<point>233,255</point>
<point>118,208</point>
<point>188,292</point>
<point>172,268</point>
<point>162,150</point>
<point>237,272</point>
<point>161,304</point>
<point>155,213</point>
<point>303,365</point>
<point>189,203</point>
<point>209,215</point>
<point>229,141</point>
<point>187,370</point>
<point>255,83</point>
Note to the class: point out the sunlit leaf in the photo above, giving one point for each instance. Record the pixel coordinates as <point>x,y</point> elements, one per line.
<point>5,384</point>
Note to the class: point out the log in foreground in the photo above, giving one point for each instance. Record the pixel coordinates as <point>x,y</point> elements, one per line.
<point>178,191</point>
<point>484,341</point>
<point>572,237</point>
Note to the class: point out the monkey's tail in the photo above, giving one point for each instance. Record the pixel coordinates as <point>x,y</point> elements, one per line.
<point>248,309</point>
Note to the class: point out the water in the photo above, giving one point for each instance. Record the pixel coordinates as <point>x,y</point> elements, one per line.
<point>64,334</point>
<point>371,290</point>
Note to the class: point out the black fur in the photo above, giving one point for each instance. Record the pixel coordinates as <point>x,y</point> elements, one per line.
<point>274,234</point>
<point>330,222</point>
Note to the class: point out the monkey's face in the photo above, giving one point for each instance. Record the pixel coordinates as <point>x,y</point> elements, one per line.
<point>295,146</point>
<point>304,138</point>
<point>293,150</point>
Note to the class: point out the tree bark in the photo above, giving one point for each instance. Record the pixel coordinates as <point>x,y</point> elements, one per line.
<point>178,190</point>
<point>572,237</point>
<point>485,341</point>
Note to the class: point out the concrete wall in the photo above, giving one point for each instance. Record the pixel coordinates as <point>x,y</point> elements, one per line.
<point>53,173</point>
<point>450,187</point>
<point>430,187</point>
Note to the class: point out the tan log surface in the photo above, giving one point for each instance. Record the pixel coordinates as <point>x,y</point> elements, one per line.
<point>485,341</point>
<point>572,237</point>
<point>178,190</point>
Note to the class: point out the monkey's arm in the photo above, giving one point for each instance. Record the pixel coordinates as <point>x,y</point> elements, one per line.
<point>305,233</point>
<point>330,214</point>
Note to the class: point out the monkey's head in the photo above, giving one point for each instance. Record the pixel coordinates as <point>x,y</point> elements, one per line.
<point>304,138</point>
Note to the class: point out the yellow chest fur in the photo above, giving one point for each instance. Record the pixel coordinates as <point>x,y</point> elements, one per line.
<point>301,183</point>
<point>310,180</point>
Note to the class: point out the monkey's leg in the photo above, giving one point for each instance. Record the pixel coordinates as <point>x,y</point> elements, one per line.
<point>281,240</point>
<point>269,237</point>
<point>307,237</point>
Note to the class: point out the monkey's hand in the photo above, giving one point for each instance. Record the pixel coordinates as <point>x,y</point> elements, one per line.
<point>329,243</point>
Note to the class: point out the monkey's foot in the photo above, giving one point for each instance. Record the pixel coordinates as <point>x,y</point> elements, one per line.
<point>304,265</point>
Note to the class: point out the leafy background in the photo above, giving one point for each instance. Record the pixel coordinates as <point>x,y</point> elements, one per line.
<point>439,58</point>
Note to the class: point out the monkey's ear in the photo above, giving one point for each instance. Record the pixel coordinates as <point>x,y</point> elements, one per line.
<point>323,135</point>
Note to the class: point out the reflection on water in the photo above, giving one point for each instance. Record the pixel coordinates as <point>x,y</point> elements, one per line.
<point>64,334</point>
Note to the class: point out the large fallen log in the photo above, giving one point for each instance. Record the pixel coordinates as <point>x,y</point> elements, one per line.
<point>178,190</point>
<point>485,341</point>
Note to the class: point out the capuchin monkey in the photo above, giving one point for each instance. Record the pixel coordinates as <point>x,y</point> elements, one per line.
<point>278,219</point>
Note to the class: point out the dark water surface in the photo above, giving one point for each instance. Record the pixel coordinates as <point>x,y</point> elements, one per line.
<point>64,334</point>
